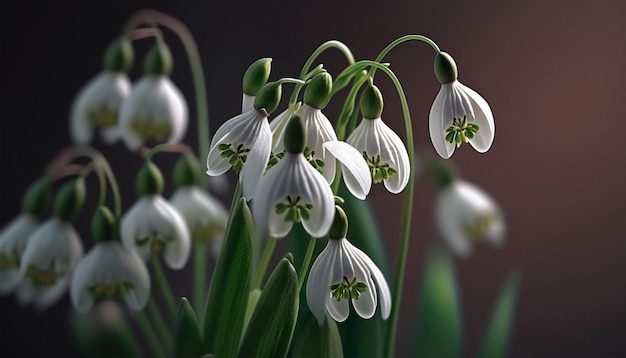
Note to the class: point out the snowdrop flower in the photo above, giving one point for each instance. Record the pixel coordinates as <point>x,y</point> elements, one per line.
<point>254,79</point>
<point>52,253</point>
<point>155,110</point>
<point>153,225</point>
<point>383,150</point>
<point>459,114</point>
<point>98,103</point>
<point>13,240</point>
<point>293,191</point>
<point>466,215</point>
<point>244,141</point>
<point>343,273</point>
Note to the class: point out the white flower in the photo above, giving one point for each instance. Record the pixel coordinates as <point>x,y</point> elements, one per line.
<point>152,225</point>
<point>343,273</point>
<point>243,143</point>
<point>460,115</point>
<point>52,253</point>
<point>384,153</point>
<point>97,105</point>
<point>13,240</point>
<point>293,191</point>
<point>466,215</point>
<point>155,111</point>
<point>206,217</point>
<point>109,271</point>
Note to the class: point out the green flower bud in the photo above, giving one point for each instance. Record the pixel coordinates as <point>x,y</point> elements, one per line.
<point>444,173</point>
<point>317,92</point>
<point>186,171</point>
<point>339,228</point>
<point>119,56</point>
<point>256,76</point>
<point>159,60</point>
<point>103,224</point>
<point>70,199</point>
<point>38,197</point>
<point>445,68</point>
<point>293,139</point>
<point>268,97</point>
<point>149,180</point>
<point>371,102</point>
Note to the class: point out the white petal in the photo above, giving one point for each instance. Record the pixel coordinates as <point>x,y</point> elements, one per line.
<point>256,161</point>
<point>271,189</point>
<point>365,305</point>
<point>50,295</point>
<point>338,310</point>
<point>384,294</point>
<point>110,135</point>
<point>439,120</point>
<point>396,155</point>
<point>318,283</point>
<point>355,171</point>
<point>13,240</point>
<point>483,117</point>
<point>318,193</point>
<point>247,103</point>
<point>278,125</point>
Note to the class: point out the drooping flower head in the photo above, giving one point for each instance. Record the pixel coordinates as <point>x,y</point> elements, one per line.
<point>156,110</point>
<point>243,143</point>
<point>342,273</point>
<point>53,251</point>
<point>152,225</point>
<point>466,215</point>
<point>98,103</point>
<point>109,271</point>
<point>458,114</point>
<point>383,150</point>
<point>293,191</point>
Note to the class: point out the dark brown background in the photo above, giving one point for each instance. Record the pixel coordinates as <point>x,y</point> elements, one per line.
<point>553,72</point>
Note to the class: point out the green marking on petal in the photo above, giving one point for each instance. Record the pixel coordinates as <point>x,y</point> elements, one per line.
<point>8,262</point>
<point>379,169</point>
<point>294,210</point>
<point>478,229</point>
<point>206,233</point>
<point>315,162</point>
<point>157,242</point>
<point>149,130</point>
<point>348,289</point>
<point>43,277</point>
<point>461,131</point>
<point>236,156</point>
<point>274,159</point>
<point>112,291</point>
<point>102,118</point>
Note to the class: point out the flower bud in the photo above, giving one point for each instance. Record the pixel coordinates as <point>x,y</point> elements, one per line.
<point>268,97</point>
<point>119,56</point>
<point>293,140</point>
<point>256,76</point>
<point>445,68</point>
<point>371,102</point>
<point>149,180</point>
<point>339,228</point>
<point>38,197</point>
<point>318,91</point>
<point>70,199</point>
<point>186,171</point>
<point>159,60</point>
<point>103,225</point>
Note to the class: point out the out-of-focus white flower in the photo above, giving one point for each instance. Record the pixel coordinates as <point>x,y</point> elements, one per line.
<point>153,225</point>
<point>466,215</point>
<point>97,105</point>
<point>205,216</point>
<point>109,271</point>
<point>384,153</point>
<point>155,111</point>
<point>13,240</point>
<point>52,253</point>
<point>343,273</point>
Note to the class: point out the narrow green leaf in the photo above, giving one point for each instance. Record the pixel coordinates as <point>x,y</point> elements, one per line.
<point>274,319</point>
<point>438,327</point>
<point>315,341</point>
<point>227,298</point>
<point>187,337</point>
<point>498,335</point>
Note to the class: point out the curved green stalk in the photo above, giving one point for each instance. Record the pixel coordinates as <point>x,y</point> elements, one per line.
<point>150,336</point>
<point>306,262</point>
<point>398,41</point>
<point>164,286</point>
<point>265,260</point>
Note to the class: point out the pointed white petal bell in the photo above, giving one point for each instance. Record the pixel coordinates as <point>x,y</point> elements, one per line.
<point>356,173</point>
<point>13,240</point>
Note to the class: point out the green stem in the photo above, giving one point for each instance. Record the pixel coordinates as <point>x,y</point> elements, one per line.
<point>150,336</point>
<point>265,260</point>
<point>164,286</point>
<point>157,319</point>
<point>306,262</point>
<point>349,107</point>
<point>400,40</point>
<point>199,276</point>
<point>309,62</point>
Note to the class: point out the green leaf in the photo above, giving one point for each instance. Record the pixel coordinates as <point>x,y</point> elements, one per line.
<point>315,341</point>
<point>253,299</point>
<point>187,337</point>
<point>274,319</point>
<point>227,298</point>
<point>438,327</point>
<point>498,335</point>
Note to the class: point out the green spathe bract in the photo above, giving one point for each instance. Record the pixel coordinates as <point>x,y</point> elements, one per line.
<point>187,338</point>
<point>339,228</point>
<point>186,171</point>
<point>70,199</point>
<point>274,319</point>
<point>371,102</point>
<point>294,140</point>
<point>256,76</point>
<point>159,60</point>
<point>227,299</point>
<point>38,197</point>
<point>119,56</point>
<point>268,97</point>
<point>445,68</point>
<point>317,341</point>
<point>103,224</point>
<point>149,179</point>
<point>317,92</point>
